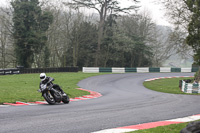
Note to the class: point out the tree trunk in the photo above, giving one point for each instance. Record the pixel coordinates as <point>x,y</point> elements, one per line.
<point>102,14</point>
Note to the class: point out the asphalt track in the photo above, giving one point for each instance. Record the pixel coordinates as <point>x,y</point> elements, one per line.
<point>124,102</point>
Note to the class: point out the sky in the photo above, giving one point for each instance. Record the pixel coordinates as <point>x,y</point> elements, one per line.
<point>154,9</point>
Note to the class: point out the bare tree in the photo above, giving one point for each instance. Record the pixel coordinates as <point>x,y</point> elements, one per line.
<point>159,41</point>
<point>179,16</point>
<point>178,13</point>
<point>137,27</point>
<point>63,35</point>
<point>104,8</point>
<point>58,37</point>
<point>7,56</point>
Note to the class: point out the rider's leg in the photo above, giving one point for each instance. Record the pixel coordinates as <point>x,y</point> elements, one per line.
<point>58,87</point>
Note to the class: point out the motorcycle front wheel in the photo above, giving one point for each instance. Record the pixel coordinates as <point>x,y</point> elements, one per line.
<point>49,98</point>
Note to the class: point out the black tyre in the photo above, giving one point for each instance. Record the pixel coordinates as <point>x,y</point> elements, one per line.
<point>193,127</point>
<point>65,99</point>
<point>49,98</point>
<point>57,96</point>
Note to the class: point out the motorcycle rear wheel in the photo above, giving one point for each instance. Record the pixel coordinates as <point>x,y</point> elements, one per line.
<point>48,98</point>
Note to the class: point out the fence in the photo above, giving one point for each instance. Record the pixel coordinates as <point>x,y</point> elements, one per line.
<point>137,69</point>
<point>48,70</point>
<point>9,71</point>
<point>22,70</point>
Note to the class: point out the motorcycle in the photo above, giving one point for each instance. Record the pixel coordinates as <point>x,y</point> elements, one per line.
<point>52,94</point>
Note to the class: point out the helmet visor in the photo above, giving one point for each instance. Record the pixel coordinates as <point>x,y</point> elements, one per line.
<point>43,77</point>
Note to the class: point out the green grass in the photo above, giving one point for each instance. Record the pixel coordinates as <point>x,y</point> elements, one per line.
<point>165,85</point>
<point>23,87</point>
<point>174,128</point>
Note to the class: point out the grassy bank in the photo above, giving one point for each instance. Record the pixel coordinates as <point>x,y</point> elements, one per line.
<point>174,128</point>
<point>23,87</point>
<point>165,85</point>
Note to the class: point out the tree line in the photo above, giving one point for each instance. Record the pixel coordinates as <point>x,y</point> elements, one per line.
<point>37,34</point>
<point>185,16</point>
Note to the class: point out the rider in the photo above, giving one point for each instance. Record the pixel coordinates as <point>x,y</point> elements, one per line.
<point>44,80</point>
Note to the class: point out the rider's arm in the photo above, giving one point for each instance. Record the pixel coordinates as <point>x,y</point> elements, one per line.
<point>51,79</point>
<point>40,85</point>
<point>39,90</point>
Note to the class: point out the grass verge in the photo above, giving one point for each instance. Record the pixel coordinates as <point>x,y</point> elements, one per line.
<point>174,128</point>
<point>23,87</point>
<point>165,85</point>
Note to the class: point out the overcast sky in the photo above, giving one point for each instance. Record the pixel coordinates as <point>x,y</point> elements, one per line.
<point>154,9</point>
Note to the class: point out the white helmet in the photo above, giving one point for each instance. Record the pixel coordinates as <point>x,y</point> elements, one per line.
<point>43,76</point>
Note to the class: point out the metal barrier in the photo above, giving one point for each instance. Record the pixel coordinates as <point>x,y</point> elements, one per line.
<point>9,71</point>
<point>137,69</point>
<point>21,70</point>
<point>48,70</point>
<point>189,87</point>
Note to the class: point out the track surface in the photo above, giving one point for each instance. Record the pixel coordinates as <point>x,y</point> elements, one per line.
<point>124,102</point>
